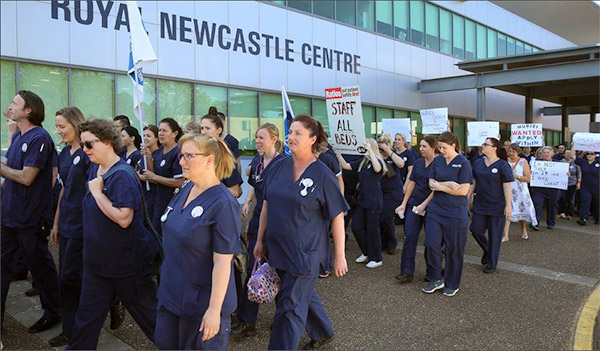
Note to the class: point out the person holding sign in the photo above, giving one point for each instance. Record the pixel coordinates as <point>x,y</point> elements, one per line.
<point>589,194</point>
<point>417,197</point>
<point>490,197</point>
<point>400,146</point>
<point>447,215</point>
<point>302,199</point>
<point>550,195</point>
<point>365,223</point>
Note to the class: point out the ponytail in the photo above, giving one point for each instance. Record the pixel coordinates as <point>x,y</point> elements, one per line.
<point>315,128</point>
<point>500,151</point>
<point>224,161</point>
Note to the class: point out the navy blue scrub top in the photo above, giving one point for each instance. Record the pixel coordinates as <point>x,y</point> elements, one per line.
<point>409,160</point>
<point>73,170</point>
<point>234,179</point>
<point>420,175</point>
<point>24,206</point>
<point>590,174</point>
<point>331,162</point>
<point>233,145</point>
<point>459,171</point>
<point>350,176</point>
<point>392,187</point>
<point>110,250</point>
<point>133,159</point>
<point>298,226</point>
<point>166,165</point>
<point>209,223</point>
<point>489,198</point>
<point>153,186</point>
<point>257,176</point>
<point>370,195</point>
<point>474,156</point>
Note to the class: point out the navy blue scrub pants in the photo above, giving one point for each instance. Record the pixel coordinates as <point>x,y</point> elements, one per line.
<point>566,204</point>
<point>32,243</point>
<point>387,226</point>
<point>70,252</point>
<point>138,293</point>
<point>495,228</point>
<point>412,228</point>
<point>452,232</point>
<point>298,306</point>
<point>538,195</point>
<point>150,201</point>
<point>589,200</point>
<point>174,332</point>
<point>248,310</point>
<point>365,226</point>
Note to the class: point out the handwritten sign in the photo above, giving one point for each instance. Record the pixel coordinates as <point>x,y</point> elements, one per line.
<point>528,134</point>
<point>549,174</point>
<point>479,131</point>
<point>397,125</point>
<point>435,120</point>
<point>344,112</point>
<point>586,142</point>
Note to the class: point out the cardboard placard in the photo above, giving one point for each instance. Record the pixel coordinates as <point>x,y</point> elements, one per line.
<point>548,174</point>
<point>527,134</point>
<point>435,120</point>
<point>346,125</point>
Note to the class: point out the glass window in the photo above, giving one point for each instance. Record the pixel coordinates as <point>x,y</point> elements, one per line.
<point>243,116</point>
<point>510,46</point>
<point>93,93</point>
<point>432,26</point>
<point>527,49</point>
<point>282,3</point>
<point>300,105</point>
<point>491,43</point>
<point>519,47</point>
<point>534,49</point>
<point>345,12</point>
<point>51,84</point>
<point>366,15</point>
<point>125,98</point>
<point>8,90</point>
<point>445,32</point>
<point>324,8</point>
<point>470,39</point>
<point>504,131</point>
<point>300,5</point>
<point>481,42</point>
<point>175,101</point>
<point>401,114</point>
<point>369,121</point>
<point>382,113</point>
<point>401,20</point>
<point>557,137</point>
<point>320,114</point>
<point>416,129</point>
<point>417,25</point>
<point>458,36</point>
<point>501,45</point>
<point>271,111</point>
<point>458,128</point>
<point>207,96</point>
<point>384,17</point>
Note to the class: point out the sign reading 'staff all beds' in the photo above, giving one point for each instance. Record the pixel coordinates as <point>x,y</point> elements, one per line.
<point>344,112</point>
<point>527,134</point>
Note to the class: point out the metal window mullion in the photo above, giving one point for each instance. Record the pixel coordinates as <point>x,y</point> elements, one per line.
<point>115,95</point>
<point>194,102</point>
<point>69,88</point>
<point>228,111</point>
<point>157,100</point>
<point>17,80</point>
<point>258,98</point>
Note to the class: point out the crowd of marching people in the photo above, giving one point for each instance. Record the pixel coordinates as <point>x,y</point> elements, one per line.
<point>150,221</point>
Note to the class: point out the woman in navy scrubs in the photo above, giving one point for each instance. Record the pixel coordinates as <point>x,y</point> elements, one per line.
<point>118,251</point>
<point>67,230</point>
<point>406,154</point>
<point>150,152</point>
<point>232,143</point>
<point>131,143</point>
<point>164,168</point>
<point>450,177</point>
<point>589,193</point>
<point>302,199</point>
<point>365,221</point>
<point>491,199</point>
<point>201,234</point>
<point>269,148</point>
<point>551,195</point>
<point>417,198</point>
<point>391,187</point>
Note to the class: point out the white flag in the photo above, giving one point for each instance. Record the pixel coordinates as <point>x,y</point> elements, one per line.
<point>288,116</point>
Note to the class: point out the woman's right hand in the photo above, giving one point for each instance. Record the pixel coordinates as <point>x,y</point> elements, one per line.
<point>259,252</point>
<point>245,209</point>
<point>54,234</point>
<point>400,209</point>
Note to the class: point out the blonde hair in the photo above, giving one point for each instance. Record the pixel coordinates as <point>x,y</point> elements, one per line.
<point>73,115</point>
<point>224,161</point>
<point>274,133</point>
<point>403,137</point>
<point>375,149</point>
<point>385,139</point>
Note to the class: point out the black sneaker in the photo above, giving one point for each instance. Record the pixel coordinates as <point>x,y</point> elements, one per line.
<point>534,227</point>
<point>487,270</point>
<point>242,330</point>
<point>43,324</point>
<point>484,260</point>
<point>403,278</point>
<point>60,340</point>
<point>582,222</point>
<point>31,292</point>
<point>391,251</point>
<point>117,315</point>
<point>317,344</point>
<point>433,286</point>
<point>449,291</point>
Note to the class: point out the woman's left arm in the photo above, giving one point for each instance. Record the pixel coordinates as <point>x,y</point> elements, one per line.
<point>122,216</point>
<point>340,266</point>
<point>508,198</point>
<point>211,320</point>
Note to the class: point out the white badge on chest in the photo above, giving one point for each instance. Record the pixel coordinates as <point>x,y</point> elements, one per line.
<point>129,161</point>
<point>597,165</point>
<point>405,158</point>
<point>163,218</point>
<point>494,170</point>
<point>306,183</point>
<point>76,160</point>
<point>24,147</point>
<point>197,211</point>
<point>162,163</point>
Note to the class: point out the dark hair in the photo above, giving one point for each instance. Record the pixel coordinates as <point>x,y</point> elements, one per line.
<point>174,127</point>
<point>105,131</point>
<point>154,130</point>
<point>315,128</point>
<point>214,119</point>
<point>221,116</point>
<point>212,111</point>
<point>123,119</point>
<point>432,141</point>
<point>35,103</point>
<point>133,132</point>
<point>449,138</point>
<point>500,151</point>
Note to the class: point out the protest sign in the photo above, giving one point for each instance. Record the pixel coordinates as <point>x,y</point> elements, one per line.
<point>344,112</point>
<point>527,134</point>
<point>549,174</point>
<point>398,125</point>
<point>479,131</point>
<point>586,142</point>
<point>435,120</point>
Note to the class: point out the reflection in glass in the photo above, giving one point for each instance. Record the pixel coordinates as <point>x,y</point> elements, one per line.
<point>401,20</point>
<point>345,12</point>
<point>417,26</point>
<point>458,36</point>
<point>207,96</point>
<point>445,32</point>
<point>125,98</point>
<point>470,39</point>
<point>243,116</point>
<point>366,14</point>
<point>324,8</point>
<point>175,101</point>
<point>8,90</point>
<point>431,26</point>
<point>383,10</point>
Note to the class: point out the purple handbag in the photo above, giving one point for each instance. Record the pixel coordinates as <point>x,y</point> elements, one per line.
<point>263,284</point>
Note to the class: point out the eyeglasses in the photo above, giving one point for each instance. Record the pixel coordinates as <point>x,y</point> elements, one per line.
<point>188,156</point>
<point>89,144</point>
<point>486,144</point>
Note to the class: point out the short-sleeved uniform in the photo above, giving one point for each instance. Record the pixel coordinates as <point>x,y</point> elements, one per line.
<point>488,206</point>
<point>165,165</point>
<point>391,187</point>
<point>26,214</point>
<point>409,160</point>
<point>447,221</point>
<point>234,179</point>
<point>133,159</point>
<point>350,178</point>
<point>331,162</point>
<point>210,223</point>
<point>299,215</point>
<point>233,144</point>
<point>551,196</point>
<point>590,188</point>
<point>151,191</point>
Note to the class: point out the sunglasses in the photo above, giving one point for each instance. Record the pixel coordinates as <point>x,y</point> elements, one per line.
<point>89,144</point>
<point>188,156</point>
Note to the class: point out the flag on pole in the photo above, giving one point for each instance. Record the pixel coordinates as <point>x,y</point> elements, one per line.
<point>288,115</point>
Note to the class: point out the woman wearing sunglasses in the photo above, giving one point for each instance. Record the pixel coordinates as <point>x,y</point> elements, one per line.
<point>118,250</point>
<point>589,193</point>
<point>201,233</point>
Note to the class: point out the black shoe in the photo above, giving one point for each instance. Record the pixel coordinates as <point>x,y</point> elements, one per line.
<point>117,315</point>
<point>596,222</point>
<point>60,340</point>
<point>391,251</point>
<point>487,270</point>
<point>43,324</point>
<point>316,344</point>
<point>404,278</point>
<point>427,279</point>
<point>31,292</point>
<point>19,276</point>
<point>242,330</point>
<point>534,227</point>
<point>484,260</point>
<point>582,222</point>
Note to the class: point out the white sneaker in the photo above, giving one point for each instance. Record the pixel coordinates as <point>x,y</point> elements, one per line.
<point>361,259</point>
<point>374,264</point>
